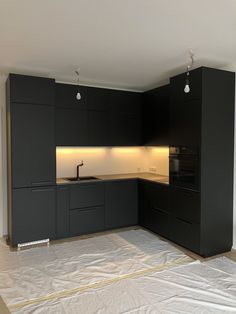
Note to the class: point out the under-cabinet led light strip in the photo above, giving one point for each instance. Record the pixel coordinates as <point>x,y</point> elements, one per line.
<point>20,245</point>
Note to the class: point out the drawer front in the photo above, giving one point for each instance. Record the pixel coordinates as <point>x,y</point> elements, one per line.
<point>159,222</point>
<point>87,220</point>
<point>86,195</point>
<point>185,234</point>
<point>159,196</point>
<point>185,204</point>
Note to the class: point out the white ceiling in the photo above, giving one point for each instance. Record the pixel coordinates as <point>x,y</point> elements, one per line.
<point>130,44</point>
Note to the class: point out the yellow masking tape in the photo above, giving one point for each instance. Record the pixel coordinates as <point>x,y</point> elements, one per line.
<point>103,283</point>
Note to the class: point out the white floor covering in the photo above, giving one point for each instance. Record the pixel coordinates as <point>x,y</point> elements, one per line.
<point>125,272</point>
<point>38,272</point>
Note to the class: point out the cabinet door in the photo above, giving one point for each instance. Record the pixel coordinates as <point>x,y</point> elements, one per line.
<point>62,216</point>
<point>98,128</point>
<point>121,203</point>
<point>87,220</point>
<point>65,96</point>
<point>185,111</point>
<point>98,99</point>
<point>185,204</point>
<point>33,214</point>
<point>156,111</point>
<point>32,90</point>
<point>153,207</point>
<point>125,119</point>
<point>33,145</point>
<point>125,130</point>
<point>71,127</point>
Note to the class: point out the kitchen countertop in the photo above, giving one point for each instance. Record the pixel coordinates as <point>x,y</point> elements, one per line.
<point>140,175</point>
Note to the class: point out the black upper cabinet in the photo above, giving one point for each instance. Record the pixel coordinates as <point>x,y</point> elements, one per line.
<point>156,107</point>
<point>98,128</point>
<point>71,127</point>
<point>125,118</point>
<point>31,89</point>
<point>65,96</point>
<point>98,98</point>
<point>32,145</point>
<point>185,110</point>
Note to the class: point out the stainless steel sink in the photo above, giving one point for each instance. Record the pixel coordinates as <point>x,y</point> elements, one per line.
<point>81,179</point>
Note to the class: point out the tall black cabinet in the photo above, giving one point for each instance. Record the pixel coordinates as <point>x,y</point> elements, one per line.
<point>204,120</point>
<point>31,158</point>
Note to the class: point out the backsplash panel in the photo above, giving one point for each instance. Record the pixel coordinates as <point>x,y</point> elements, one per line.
<point>103,160</point>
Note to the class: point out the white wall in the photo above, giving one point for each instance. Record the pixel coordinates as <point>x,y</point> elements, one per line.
<point>3,167</point>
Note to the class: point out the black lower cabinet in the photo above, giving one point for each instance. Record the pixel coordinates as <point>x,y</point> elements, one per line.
<point>121,204</point>
<point>153,207</point>
<point>185,233</point>
<point>62,217</point>
<point>33,214</point>
<point>87,220</point>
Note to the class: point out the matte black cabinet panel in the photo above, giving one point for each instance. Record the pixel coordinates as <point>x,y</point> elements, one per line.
<point>185,123</point>
<point>31,89</point>
<point>66,96</point>
<point>98,128</point>
<point>154,207</point>
<point>185,233</point>
<point>124,102</point>
<point>86,195</point>
<point>87,220</point>
<point>98,99</point>
<point>71,127</point>
<point>125,130</point>
<point>33,214</point>
<point>156,111</point>
<point>121,204</point>
<point>32,145</point>
<point>62,216</point>
<point>185,204</point>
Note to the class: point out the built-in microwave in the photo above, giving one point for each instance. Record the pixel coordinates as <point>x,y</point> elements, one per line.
<point>184,167</point>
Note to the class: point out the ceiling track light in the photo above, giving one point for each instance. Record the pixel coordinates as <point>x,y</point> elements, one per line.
<point>187,86</point>
<point>78,95</point>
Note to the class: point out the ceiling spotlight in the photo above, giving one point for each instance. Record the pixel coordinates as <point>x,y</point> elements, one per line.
<point>187,86</point>
<point>78,95</point>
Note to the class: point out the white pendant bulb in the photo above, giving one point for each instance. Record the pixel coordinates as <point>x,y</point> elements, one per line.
<point>78,95</point>
<point>187,86</point>
<point>186,89</point>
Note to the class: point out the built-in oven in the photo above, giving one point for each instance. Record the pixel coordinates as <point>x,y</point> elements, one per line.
<point>184,167</point>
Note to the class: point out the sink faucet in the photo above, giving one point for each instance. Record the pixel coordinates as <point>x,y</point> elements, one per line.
<point>79,165</point>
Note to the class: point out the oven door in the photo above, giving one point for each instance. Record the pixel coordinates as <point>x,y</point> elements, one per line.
<point>184,171</point>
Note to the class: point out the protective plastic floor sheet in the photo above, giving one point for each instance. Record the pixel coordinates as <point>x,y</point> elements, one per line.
<point>192,288</point>
<point>38,272</point>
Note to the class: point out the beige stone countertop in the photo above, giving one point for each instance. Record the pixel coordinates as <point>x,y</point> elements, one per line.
<point>140,175</point>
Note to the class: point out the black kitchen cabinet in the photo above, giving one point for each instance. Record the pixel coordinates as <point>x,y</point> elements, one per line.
<point>156,113</point>
<point>98,98</point>
<point>125,118</point>
<point>87,220</point>
<point>32,145</point>
<point>62,212</point>
<point>33,214</point>
<point>121,204</point>
<point>71,127</point>
<point>203,119</point>
<point>31,89</point>
<point>65,96</point>
<point>185,204</point>
<point>98,128</point>
<point>87,195</point>
<point>154,207</point>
